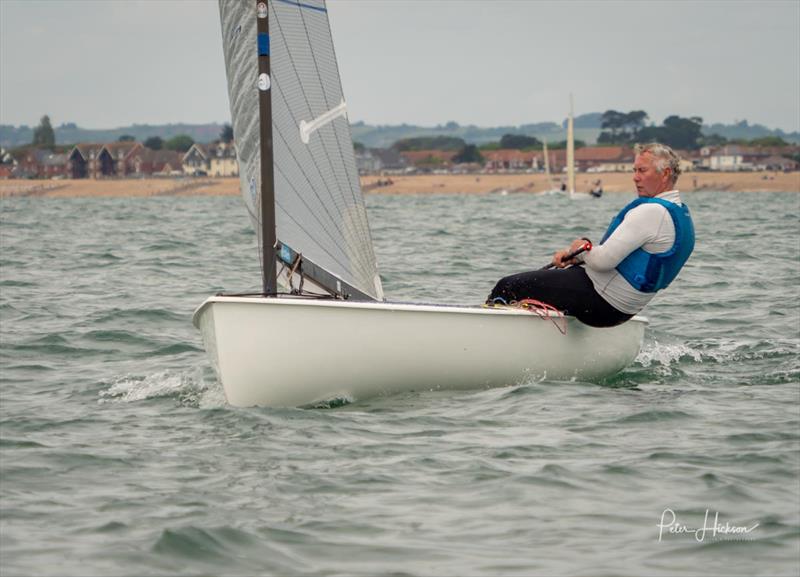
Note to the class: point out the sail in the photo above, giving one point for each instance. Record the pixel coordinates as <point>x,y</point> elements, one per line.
<point>570,150</point>
<point>319,207</point>
<point>547,165</point>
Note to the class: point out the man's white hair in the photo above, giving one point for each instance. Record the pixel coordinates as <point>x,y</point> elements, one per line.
<point>664,156</point>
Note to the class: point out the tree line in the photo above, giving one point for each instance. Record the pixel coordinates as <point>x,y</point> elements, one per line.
<point>618,128</point>
<point>45,137</point>
<point>626,128</point>
<point>466,152</point>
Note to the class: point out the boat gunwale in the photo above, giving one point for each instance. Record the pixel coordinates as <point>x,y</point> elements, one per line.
<point>389,306</point>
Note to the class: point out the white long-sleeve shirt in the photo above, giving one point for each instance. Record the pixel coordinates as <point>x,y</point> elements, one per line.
<point>648,226</point>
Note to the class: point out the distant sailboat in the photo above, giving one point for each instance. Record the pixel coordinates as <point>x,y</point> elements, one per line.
<point>571,155</point>
<point>553,188</point>
<point>570,151</point>
<point>320,330</point>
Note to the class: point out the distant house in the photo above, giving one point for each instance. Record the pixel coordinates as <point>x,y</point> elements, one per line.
<point>377,160</point>
<point>367,162</point>
<point>146,162</point>
<point>429,160</point>
<point>725,158</point>
<point>28,162</point>
<point>54,166</point>
<point>779,163</point>
<point>604,159</point>
<point>36,163</point>
<point>121,153</point>
<point>195,161</point>
<point>510,159</point>
<point>216,159</point>
<point>222,161</point>
<point>90,161</point>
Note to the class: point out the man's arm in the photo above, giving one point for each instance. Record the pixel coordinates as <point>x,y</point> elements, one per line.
<point>639,227</point>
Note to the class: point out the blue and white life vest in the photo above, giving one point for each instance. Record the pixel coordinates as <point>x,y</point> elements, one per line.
<point>650,272</point>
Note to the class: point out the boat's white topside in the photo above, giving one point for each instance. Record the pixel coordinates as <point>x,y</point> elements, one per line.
<point>361,349</point>
<point>382,305</point>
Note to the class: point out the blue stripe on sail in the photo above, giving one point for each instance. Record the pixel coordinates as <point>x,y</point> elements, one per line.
<point>263,44</point>
<point>301,5</point>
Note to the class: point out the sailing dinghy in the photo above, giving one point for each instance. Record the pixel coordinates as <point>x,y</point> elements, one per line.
<point>320,330</point>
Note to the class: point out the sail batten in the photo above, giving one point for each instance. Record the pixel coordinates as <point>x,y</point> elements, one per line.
<point>318,206</point>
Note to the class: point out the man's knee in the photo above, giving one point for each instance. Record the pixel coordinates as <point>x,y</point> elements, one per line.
<point>502,289</point>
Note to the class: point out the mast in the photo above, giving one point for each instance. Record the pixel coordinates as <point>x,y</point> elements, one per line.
<point>268,234</point>
<point>570,151</point>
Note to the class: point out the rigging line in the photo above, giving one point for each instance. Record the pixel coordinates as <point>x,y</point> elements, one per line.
<point>342,249</point>
<point>301,168</point>
<point>313,189</point>
<point>357,262</point>
<point>303,5</point>
<point>328,106</point>
<point>358,233</point>
<point>259,240</point>
<point>349,276</point>
<point>355,265</point>
<point>345,268</point>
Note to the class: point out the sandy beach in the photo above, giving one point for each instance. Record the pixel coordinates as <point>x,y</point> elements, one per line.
<point>413,184</point>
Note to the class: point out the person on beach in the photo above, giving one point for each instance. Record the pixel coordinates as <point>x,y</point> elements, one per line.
<point>642,252</point>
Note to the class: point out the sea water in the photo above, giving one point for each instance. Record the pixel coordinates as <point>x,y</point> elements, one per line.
<point>119,455</point>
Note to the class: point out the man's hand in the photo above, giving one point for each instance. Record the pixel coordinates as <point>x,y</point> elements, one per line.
<point>560,258</point>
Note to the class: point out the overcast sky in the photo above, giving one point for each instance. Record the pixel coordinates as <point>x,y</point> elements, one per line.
<point>104,64</point>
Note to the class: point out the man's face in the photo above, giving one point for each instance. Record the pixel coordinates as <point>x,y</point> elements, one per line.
<point>649,182</point>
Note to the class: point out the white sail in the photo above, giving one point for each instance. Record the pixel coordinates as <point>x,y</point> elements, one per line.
<point>547,166</point>
<point>319,207</point>
<point>570,151</point>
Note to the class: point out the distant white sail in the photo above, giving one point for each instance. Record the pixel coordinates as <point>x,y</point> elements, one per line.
<point>570,150</point>
<point>319,207</point>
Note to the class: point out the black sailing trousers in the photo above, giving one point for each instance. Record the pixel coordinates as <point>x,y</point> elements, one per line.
<point>568,289</point>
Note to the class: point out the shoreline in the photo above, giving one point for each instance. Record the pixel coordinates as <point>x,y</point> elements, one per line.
<point>403,184</point>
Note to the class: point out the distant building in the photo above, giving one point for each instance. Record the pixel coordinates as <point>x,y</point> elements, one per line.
<point>90,161</point>
<point>779,163</point>
<point>216,159</point>
<point>733,157</point>
<point>121,153</point>
<point>724,158</point>
<point>510,159</point>
<point>36,163</point>
<point>378,160</point>
<point>195,161</point>
<point>54,166</point>
<point>146,162</point>
<point>429,160</point>
<point>604,159</point>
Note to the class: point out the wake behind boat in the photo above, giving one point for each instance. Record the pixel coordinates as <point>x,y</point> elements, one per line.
<point>321,329</point>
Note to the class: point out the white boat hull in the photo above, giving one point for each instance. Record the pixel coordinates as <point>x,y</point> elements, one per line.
<point>285,352</point>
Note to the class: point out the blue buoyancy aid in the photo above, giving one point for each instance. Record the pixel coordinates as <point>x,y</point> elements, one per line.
<point>650,272</point>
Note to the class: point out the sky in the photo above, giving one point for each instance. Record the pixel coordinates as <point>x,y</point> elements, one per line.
<point>111,63</point>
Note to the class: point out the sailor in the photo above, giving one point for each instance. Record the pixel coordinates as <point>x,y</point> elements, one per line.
<point>597,189</point>
<point>642,252</point>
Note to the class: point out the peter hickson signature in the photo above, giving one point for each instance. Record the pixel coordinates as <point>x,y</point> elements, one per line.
<point>669,521</point>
